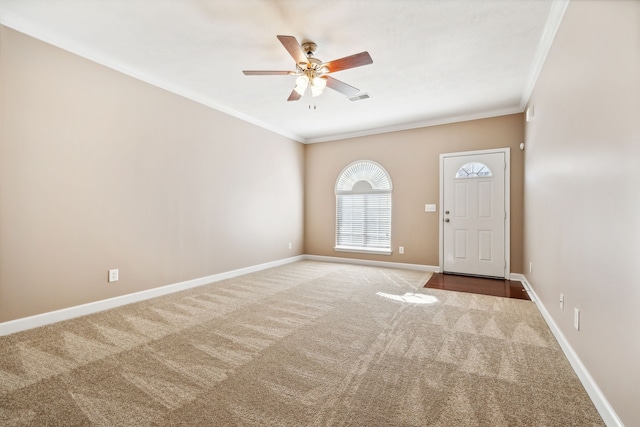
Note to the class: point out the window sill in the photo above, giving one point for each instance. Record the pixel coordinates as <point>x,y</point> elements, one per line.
<point>362,250</point>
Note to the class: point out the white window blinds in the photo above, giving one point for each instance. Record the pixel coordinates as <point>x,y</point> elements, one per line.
<point>363,208</point>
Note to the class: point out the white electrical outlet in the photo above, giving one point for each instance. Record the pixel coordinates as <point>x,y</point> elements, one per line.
<point>401,250</point>
<point>289,245</point>
<point>562,302</point>
<point>530,267</point>
<point>576,318</point>
<point>113,275</point>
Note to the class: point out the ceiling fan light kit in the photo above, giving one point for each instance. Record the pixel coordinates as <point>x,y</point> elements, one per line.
<point>312,73</point>
<point>301,84</point>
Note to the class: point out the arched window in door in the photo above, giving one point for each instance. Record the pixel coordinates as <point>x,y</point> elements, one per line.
<point>474,170</point>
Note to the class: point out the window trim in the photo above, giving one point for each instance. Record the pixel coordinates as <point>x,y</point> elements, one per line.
<point>379,186</point>
<point>359,250</point>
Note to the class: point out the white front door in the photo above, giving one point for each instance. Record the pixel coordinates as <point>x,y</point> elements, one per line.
<point>474,213</point>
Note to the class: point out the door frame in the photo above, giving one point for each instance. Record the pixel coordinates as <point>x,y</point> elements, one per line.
<point>507,204</point>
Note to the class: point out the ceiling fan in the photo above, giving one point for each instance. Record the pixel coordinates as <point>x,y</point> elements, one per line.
<point>312,72</point>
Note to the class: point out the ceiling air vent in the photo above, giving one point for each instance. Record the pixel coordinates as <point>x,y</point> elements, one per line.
<point>359,97</point>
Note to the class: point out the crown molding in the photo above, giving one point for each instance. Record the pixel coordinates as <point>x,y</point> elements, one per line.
<point>419,124</point>
<point>556,13</point>
<point>78,48</point>
<point>16,23</point>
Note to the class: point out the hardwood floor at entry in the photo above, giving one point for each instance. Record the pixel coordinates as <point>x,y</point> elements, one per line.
<point>478,285</point>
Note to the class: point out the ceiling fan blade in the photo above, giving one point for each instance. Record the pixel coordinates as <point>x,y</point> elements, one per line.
<point>357,60</point>
<point>341,87</point>
<point>293,47</point>
<point>294,96</point>
<point>266,73</point>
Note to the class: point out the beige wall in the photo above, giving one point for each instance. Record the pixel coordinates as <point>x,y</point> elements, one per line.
<point>583,196</point>
<point>412,159</point>
<point>99,171</point>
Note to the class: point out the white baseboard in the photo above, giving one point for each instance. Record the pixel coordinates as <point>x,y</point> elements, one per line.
<point>48,318</point>
<point>517,277</point>
<point>386,264</point>
<point>601,403</point>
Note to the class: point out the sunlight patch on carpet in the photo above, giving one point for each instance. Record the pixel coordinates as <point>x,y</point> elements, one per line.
<point>410,298</point>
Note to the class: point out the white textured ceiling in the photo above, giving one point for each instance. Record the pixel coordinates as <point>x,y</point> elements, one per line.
<point>434,61</point>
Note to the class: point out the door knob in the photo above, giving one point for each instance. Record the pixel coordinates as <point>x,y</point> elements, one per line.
<point>447,212</point>
<point>446,220</point>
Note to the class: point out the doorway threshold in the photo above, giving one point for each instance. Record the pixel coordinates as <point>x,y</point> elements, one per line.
<point>478,285</point>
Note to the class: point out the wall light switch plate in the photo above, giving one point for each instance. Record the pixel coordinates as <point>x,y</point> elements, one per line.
<point>430,208</point>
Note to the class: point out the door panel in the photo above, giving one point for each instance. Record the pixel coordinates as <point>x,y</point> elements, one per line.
<point>484,245</point>
<point>460,244</point>
<point>474,214</point>
<point>485,199</point>
<point>460,208</point>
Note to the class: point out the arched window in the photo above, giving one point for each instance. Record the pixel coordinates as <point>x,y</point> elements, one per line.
<point>363,208</point>
<point>474,170</point>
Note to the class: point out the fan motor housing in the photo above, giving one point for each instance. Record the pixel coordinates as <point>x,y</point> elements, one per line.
<point>309,48</point>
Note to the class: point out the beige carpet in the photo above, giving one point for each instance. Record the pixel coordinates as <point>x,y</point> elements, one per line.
<point>305,344</point>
